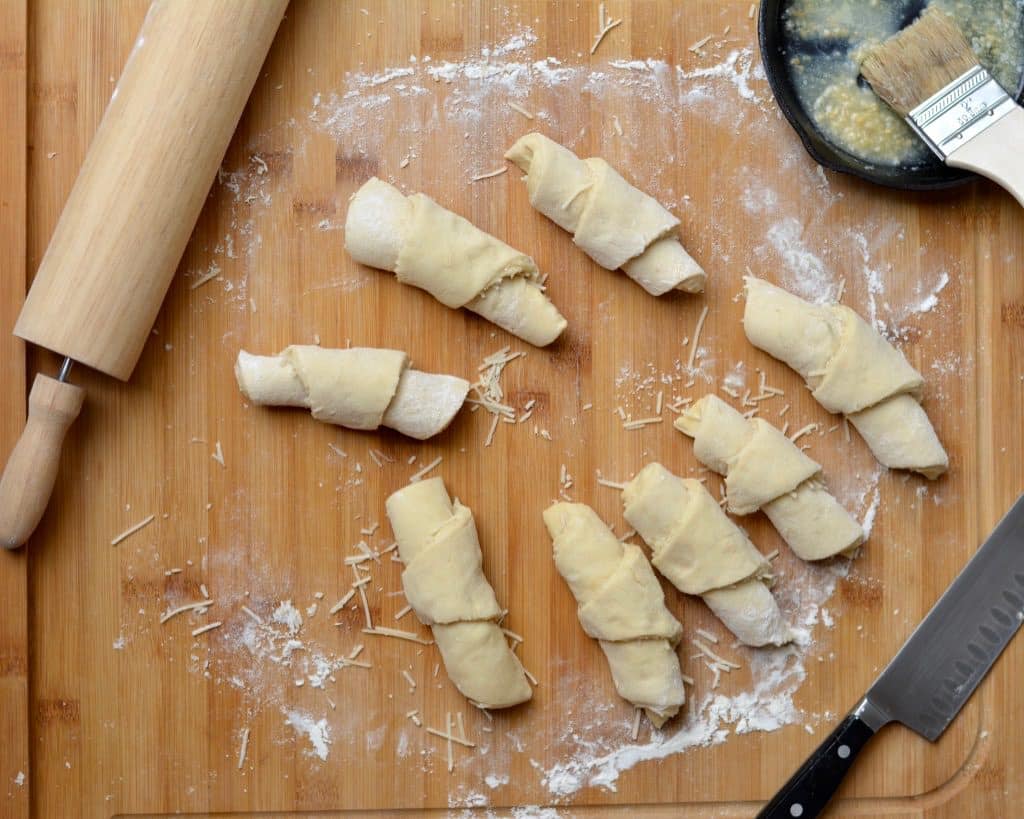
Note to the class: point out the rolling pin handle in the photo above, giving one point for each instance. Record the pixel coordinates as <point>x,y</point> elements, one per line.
<point>31,470</point>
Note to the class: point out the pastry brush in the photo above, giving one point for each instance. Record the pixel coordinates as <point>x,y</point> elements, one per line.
<point>929,75</point>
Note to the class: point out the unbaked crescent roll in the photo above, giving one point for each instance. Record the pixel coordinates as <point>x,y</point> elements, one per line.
<point>850,369</point>
<point>765,470</point>
<point>445,585</point>
<point>621,605</point>
<point>614,223</point>
<point>358,387</point>
<point>701,551</point>
<point>453,260</point>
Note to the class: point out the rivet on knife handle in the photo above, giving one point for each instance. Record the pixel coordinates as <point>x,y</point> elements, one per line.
<point>815,783</point>
<point>31,470</point>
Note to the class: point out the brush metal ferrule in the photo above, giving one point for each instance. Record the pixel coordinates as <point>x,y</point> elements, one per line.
<point>962,110</point>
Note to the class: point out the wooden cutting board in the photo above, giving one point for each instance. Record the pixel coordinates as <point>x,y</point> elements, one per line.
<point>107,712</point>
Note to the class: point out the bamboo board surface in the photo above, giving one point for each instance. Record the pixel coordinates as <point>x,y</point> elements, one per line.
<point>130,717</point>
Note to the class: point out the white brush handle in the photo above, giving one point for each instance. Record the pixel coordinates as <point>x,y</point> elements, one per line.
<point>997,152</point>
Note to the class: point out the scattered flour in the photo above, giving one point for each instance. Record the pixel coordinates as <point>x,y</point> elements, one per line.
<point>318,732</point>
<point>493,782</point>
<point>736,378</point>
<point>930,300</point>
<point>805,273</point>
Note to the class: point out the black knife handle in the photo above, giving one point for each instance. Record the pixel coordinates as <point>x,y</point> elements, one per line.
<point>813,785</point>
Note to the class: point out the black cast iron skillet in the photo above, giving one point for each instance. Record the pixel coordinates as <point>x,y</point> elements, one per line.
<point>926,174</point>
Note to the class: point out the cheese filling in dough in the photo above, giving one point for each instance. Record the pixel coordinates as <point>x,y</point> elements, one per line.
<point>445,584</point>
<point>614,223</point>
<point>453,260</point>
<point>850,369</point>
<point>358,387</point>
<point>621,605</point>
<point>765,470</point>
<point>702,552</point>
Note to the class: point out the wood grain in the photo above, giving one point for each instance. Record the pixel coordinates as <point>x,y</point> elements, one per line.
<point>142,731</point>
<point>14,712</point>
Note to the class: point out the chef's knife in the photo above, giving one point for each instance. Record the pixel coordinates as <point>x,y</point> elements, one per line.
<point>935,672</point>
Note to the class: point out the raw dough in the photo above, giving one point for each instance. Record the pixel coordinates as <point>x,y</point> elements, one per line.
<point>621,605</point>
<point>445,584</point>
<point>850,369</point>
<point>359,387</point>
<point>765,470</point>
<point>701,551</point>
<point>457,263</point>
<point>614,223</point>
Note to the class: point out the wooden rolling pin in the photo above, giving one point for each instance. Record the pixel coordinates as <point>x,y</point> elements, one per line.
<point>129,216</point>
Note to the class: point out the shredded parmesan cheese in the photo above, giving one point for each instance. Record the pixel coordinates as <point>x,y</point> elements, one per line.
<point>490,434</point>
<point>636,724</point>
<point>490,174</point>
<point>244,748</point>
<point>803,431</point>
<point>610,484</point>
<point>213,274</point>
<point>341,603</point>
<point>725,665</point>
<point>520,110</point>
<point>696,337</point>
<point>641,422</point>
<point>409,679</point>
<point>417,476</point>
<point>448,736</point>
<point>707,635</point>
<point>716,671</point>
<point>697,46</point>
<point>401,635</point>
<point>131,530</point>
<point>206,628</point>
<point>604,25</point>
<point>201,604</point>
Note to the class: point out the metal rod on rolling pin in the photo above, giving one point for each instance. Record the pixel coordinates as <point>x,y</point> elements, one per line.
<point>129,217</point>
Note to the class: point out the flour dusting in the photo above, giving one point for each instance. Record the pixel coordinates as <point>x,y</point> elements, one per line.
<point>317,731</point>
<point>273,656</point>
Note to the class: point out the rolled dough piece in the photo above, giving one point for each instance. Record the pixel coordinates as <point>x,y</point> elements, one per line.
<point>457,263</point>
<point>850,369</point>
<point>445,584</point>
<point>621,605</point>
<point>359,388</point>
<point>763,469</point>
<point>701,551</point>
<point>614,223</point>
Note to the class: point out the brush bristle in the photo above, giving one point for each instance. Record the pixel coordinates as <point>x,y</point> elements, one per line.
<point>922,59</point>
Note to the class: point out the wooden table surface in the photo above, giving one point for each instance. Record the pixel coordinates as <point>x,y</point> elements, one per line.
<point>104,711</point>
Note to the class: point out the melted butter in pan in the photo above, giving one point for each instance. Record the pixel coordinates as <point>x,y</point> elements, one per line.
<point>826,39</point>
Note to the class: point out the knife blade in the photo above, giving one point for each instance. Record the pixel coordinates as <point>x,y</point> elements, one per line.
<point>933,675</point>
